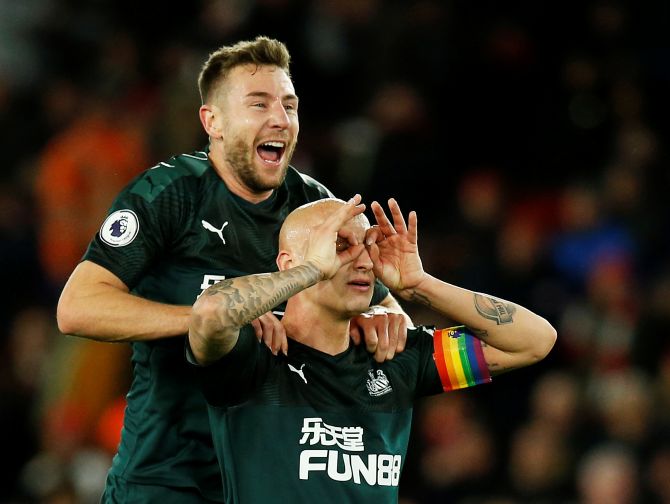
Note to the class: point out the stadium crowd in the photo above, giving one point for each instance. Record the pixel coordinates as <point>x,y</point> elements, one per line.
<point>528,137</point>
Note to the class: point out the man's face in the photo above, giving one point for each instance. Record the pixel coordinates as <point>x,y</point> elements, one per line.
<point>349,292</point>
<point>259,114</point>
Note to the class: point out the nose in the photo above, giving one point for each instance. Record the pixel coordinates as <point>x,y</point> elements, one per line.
<point>278,116</point>
<point>363,262</point>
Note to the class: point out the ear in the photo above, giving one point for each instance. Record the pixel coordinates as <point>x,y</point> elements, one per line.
<point>210,116</point>
<point>284,260</point>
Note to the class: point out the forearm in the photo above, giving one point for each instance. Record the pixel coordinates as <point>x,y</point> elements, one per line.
<point>513,336</point>
<point>95,304</point>
<point>119,317</point>
<point>230,304</point>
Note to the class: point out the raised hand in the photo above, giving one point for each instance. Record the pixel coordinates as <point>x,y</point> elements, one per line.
<point>322,243</point>
<point>393,248</point>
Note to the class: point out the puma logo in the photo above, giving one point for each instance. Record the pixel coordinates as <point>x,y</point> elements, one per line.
<point>300,372</point>
<point>211,228</point>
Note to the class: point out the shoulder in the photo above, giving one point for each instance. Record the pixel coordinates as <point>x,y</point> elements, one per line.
<point>183,169</point>
<point>419,345</point>
<point>297,181</point>
<point>419,334</point>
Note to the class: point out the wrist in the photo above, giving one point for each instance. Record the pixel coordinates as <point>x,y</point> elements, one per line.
<point>416,293</point>
<point>314,273</point>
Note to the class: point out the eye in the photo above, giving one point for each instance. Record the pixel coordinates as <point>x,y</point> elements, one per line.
<point>291,107</point>
<point>341,245</point>
<point>259,105</point>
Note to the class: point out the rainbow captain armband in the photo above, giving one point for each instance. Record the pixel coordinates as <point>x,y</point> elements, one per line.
<point>459,358</point>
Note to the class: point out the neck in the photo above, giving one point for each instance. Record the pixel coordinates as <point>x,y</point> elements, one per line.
<point>233,183</point>
<point>316,328</point>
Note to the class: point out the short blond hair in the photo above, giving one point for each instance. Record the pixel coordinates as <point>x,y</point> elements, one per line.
<point>260,51</point>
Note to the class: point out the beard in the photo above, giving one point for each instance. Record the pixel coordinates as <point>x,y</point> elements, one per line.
<point>240,157</point>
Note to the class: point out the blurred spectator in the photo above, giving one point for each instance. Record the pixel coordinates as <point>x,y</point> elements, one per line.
<point>656,475</point>
<point>478,213</point>
<point>78,175</point>
<point>67,468</point>
<point>450,431</point>
<point>539,464</point>
<point>585,236</point>
<point>20,64</point>
<point>622,402</point>
<point>608,474</point>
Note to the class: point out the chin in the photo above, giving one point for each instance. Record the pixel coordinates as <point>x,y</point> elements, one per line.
<point>355,311</point>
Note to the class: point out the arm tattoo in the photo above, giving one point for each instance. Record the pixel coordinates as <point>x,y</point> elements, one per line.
<point>494,367</point>
<point>480,333</point>
<point>495,309</point>
<point>418,298</point>
<point>244,299</point>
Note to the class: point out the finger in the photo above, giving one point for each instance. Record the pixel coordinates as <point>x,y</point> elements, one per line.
<point>373,235</point>
<point>257,329</point>
<point>268,334</point>
<point>348,235</point>
<point>398,220</point>
<point>337,219</point>
<point>371,339</point>
<point>351,254</point>
<point>269,326</point>
<point>412,230</point>
<point>279,339</point>
<point>351,209</point>
<point>394,325</point>
<point>382,220</point>
<point>382,343</point>
<point>278,333</point>
<point>402,334</point>
<point>373,250</point>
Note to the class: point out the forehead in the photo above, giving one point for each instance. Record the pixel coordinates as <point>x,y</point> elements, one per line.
<point>358,225</point>
<point>247,79</point>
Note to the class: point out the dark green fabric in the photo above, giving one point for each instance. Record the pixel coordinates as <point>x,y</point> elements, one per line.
<point>120,491</point>
<point>346,415</point>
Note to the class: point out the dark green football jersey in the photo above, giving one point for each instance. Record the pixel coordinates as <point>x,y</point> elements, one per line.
<point>171,233</point>
<point>311,427</point>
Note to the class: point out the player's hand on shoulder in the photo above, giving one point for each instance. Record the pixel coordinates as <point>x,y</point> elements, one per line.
<point>383,332</point>
<point>270,330</point>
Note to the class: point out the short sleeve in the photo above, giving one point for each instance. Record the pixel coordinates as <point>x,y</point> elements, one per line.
<point>141,225</point>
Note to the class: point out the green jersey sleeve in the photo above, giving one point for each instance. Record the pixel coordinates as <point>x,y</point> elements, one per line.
<point>142,225</point>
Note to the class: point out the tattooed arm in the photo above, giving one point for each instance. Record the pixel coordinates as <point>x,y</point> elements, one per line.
<point>227,306</point>
<point>512,336</point>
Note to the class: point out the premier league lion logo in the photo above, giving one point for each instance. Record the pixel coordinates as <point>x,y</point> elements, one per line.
<point>120,228</point>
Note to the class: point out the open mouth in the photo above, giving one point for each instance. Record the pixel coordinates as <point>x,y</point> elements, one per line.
<point>271,152</point>
<point>360,284</point>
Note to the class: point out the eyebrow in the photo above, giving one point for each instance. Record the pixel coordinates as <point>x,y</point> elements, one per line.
<point>263,94</point>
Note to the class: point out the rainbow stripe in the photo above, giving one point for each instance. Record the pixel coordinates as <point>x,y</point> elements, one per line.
<point>459,358</point>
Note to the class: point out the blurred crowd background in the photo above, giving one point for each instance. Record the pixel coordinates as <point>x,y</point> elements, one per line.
<point>529,136</point>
